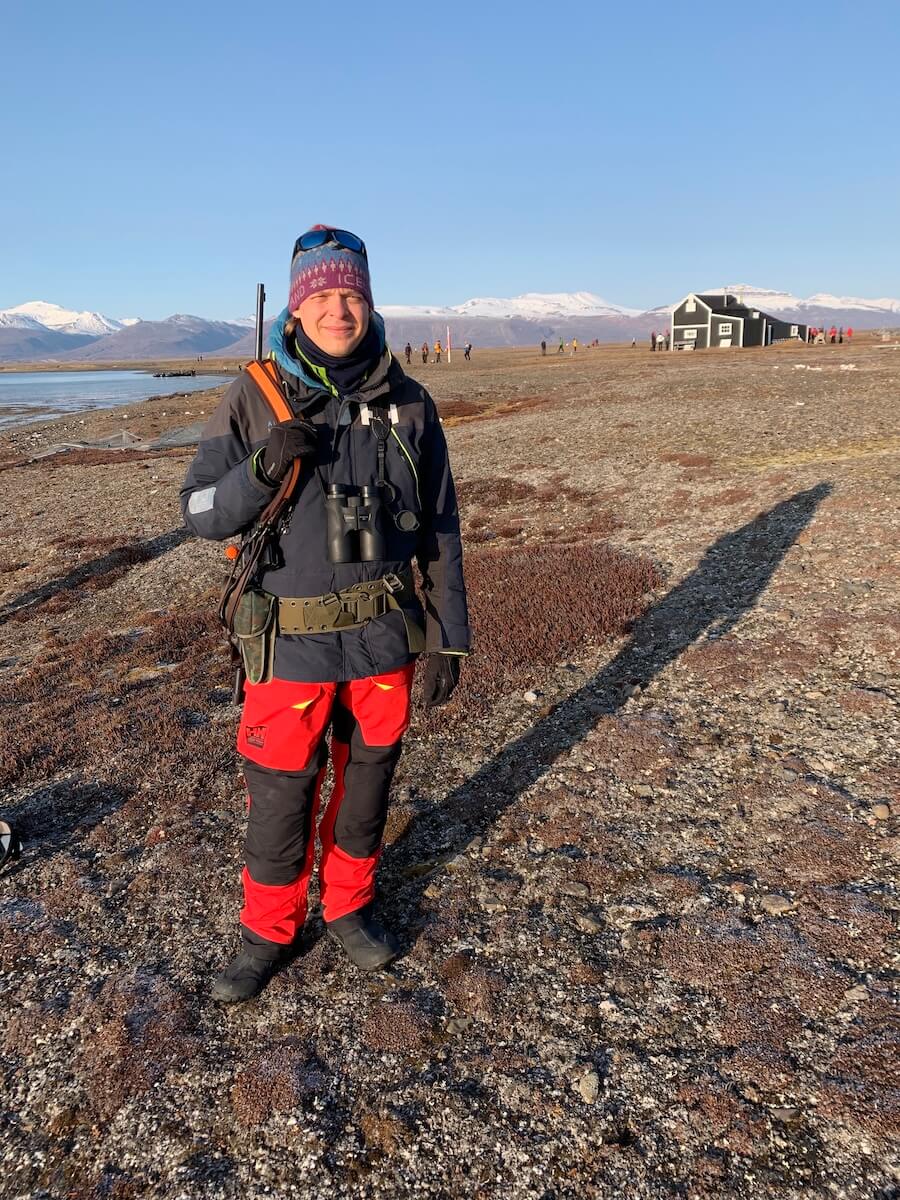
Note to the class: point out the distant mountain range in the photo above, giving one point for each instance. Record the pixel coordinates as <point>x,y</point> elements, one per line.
<point>39,331</point>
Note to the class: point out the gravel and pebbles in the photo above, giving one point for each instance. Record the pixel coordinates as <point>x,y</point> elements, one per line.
<point>647,895</point>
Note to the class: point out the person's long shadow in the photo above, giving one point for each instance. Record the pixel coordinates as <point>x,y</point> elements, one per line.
<point>117,560</point>
<point>727,582</point>
<point>56,816</point>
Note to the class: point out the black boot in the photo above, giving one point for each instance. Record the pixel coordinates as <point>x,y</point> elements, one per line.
<point>252,968</point>
<point>243,978</point>
<point>363,940</point>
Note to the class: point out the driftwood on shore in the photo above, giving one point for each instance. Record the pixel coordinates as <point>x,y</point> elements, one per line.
<point>124,439</point>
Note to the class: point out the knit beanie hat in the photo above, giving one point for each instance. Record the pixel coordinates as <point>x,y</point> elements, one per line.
<point>325,267</point>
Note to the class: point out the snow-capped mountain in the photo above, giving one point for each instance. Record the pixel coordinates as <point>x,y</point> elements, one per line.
<point>10,319</point>
<point>531,306</point>
<point>178,336</point>
<point>824,300</point>
<point>781,302</point>
<point>541,306</point>
<point>66,320</point>
<point>40,331</point>
<point>395,311</point>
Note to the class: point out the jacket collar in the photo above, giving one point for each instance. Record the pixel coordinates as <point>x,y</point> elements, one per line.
<point>383,378</point>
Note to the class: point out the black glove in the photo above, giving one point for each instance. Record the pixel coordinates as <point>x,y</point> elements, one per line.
<point>287,441</point>
<point>441,677</point>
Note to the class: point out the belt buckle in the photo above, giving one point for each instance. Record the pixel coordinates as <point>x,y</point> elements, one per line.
<point>392,583</point>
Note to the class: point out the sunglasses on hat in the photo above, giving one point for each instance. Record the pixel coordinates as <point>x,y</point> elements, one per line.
<point>322,237</point>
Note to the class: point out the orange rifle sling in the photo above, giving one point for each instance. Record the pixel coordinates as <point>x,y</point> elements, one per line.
<point>265,376</point>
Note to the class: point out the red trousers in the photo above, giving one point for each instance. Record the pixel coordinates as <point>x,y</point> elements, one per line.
<point>282,738</point>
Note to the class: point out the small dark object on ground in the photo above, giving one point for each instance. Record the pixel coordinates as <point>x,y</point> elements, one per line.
<point>10,845</point>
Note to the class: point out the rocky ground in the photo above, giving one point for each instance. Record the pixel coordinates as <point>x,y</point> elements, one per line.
<point>643,867</point>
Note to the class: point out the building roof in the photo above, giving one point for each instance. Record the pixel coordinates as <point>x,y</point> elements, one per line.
<point>728,304</point>
<point>722,304</point>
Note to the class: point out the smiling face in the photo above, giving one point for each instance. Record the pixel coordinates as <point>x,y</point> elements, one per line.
<point>336,320</point>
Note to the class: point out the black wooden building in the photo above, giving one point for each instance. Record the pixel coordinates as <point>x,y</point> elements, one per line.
<point>710,321</point>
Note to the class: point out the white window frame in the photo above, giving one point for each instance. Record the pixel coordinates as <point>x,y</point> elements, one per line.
<point>691,305</point>
<point>725,329</point>
<point>689,335</point>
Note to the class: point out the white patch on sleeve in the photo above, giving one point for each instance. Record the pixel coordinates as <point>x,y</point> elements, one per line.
<point>201,502</point>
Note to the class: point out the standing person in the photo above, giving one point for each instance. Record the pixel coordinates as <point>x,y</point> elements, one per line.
<point>424,352</point>
<point>341,622</point>
<point>543,346</point>
<point>437,351</point>
<point>633,342</point>
<point>849,333</point>
<point>407,350</point>
<point>562,347</point>
<point>574,345</point>
<point>832,333</point>
<point>653,340</point>
<point>467,351</point>
<point>668,338</point>
<point>841,336</point>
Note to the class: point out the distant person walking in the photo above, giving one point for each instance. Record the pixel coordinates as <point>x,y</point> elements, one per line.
<point>437,351</point>
<point>841,336</point>
<point>849,333</point>
<point>543,347</point>
<point>407,350</point>
<point>832,333</point>
<point>467,351</point>
<point>653,340</point>
<point>574,345</point>
<point>562,347</point>
<point>424,352</point>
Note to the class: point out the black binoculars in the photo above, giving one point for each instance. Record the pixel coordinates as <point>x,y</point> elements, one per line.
<point>354,518</point>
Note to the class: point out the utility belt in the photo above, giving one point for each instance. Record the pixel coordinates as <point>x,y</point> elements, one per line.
<point>260,617</point>
<point>348,609</point>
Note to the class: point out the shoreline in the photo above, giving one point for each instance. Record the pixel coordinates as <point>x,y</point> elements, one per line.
<point>230,367</point>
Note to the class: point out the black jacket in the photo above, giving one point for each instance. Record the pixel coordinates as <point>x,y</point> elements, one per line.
<point>222,497</point>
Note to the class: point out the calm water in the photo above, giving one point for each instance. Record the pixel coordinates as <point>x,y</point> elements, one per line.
<point>42,395</point>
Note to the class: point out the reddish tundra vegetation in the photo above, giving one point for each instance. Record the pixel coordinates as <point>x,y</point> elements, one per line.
<point>643,867</point>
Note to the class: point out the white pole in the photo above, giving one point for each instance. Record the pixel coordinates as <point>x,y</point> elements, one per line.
<point>449,346</point>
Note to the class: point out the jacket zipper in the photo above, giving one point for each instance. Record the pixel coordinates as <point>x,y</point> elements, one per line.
<point>412,465</point>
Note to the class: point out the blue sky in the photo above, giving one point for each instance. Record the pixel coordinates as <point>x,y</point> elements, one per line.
<point>161,158</point>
